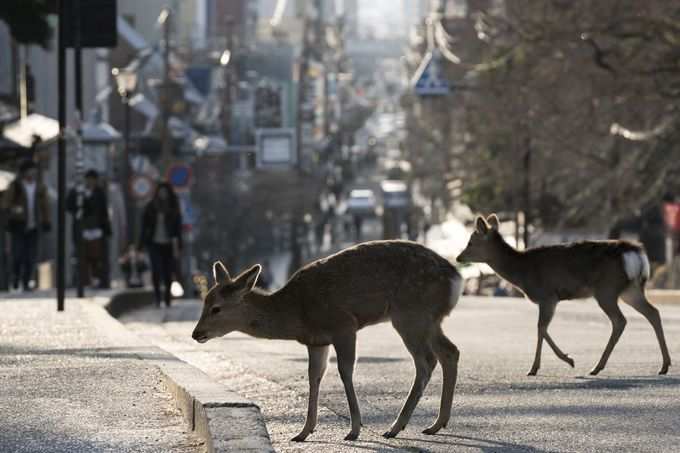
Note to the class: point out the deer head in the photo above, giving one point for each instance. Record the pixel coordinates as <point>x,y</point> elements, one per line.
<point>480,248</point>
<point>224,306</point>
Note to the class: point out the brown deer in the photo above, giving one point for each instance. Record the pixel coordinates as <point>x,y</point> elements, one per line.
<point>605,270</point>
<point>326,302</point>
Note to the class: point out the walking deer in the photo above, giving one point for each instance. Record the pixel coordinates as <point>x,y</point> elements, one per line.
<point>326,302</point>
<point>605,270</point>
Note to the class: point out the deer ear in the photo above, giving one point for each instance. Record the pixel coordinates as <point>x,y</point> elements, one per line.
<point>481,226</point>
<point>493,222</point>
<point>248,278</point>
<point>220,272</point>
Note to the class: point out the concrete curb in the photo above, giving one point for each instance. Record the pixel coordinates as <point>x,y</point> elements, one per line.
<point>663,296</point>
<point>225,421</point>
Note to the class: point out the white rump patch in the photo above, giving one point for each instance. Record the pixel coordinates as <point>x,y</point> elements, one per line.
<point>636,265</point>
<point>456,290</point>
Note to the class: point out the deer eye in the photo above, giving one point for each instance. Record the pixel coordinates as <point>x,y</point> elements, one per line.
<point>215,310</point>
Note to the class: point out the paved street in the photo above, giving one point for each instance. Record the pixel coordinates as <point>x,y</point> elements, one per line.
<point>71,383</point>
<point>496,407</point>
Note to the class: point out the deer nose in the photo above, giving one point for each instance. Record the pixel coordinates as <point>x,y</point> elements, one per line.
<point>199,336</point>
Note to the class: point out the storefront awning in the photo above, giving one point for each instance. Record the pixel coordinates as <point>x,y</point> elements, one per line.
<point>23,131</point>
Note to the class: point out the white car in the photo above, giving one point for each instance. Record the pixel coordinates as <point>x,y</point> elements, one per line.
<point>361,202</point>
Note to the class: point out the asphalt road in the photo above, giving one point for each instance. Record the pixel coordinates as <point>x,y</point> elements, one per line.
<point>497,408</point>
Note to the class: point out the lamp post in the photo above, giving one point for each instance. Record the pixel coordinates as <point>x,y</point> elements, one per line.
<point>126,81</point>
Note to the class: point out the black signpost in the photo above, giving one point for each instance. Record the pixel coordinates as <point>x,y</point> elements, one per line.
<point>82,24</point>
<point>61,160</point>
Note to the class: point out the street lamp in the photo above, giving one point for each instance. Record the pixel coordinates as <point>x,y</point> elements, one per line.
<point>126,81</point>
<point>225,57</point>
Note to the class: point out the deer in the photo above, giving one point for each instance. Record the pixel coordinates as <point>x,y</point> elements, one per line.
<point>605,270</point>
<point>326,302</point>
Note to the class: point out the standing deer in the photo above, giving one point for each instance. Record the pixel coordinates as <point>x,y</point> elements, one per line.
<point>326,302</point>
<point>606,270</point>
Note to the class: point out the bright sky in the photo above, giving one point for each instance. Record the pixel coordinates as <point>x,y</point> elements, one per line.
<point>384,16</point>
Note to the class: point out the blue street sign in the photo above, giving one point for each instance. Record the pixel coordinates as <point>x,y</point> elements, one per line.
<point>429,78</point>
<point>179,175</point>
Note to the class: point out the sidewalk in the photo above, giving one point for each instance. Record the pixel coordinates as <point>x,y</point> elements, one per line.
<point>73,382</point>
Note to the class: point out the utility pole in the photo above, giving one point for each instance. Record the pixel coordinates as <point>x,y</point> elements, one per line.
<point>527,191</point>
<point>78,79</point>
<point>228,79</point>
<point>303,68</point>
<point>166,17</point>
<point>61,163</point>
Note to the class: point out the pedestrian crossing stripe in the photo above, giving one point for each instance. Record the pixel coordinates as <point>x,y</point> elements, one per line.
<point>429,79</point>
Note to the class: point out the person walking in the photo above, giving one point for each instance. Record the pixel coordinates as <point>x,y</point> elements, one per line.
<point>27,209</point>
<point>91,230</point>
<point>161,236</point>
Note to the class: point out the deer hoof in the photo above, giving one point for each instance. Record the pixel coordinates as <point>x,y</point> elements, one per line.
<point>532,372</point>
<point>664,369</point>
<point>352,436</point>
<point>434,429</point>
<point>595,371</point>
<point>570,361</point>
<point>300,437</point>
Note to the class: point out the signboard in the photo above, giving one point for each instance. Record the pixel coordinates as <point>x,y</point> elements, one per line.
<point>429,79</point>
<point>179,176</point>
<point>276,148</point>
<point>187,210</point>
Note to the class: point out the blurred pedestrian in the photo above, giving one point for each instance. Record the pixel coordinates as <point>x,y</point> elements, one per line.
<point>91,230</point>
<point>162,237</point>
<point>27,209</point>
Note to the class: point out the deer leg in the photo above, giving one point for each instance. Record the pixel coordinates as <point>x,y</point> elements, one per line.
<point>318,359</point>
<point>545,315</point>
<point>609,304</point>
<point>558,352</point>
<point>635,297</point>
<point>447,353</point>
<point>417,342</point>
<point>345,348</point>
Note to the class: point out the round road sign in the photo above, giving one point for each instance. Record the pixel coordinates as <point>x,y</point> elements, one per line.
<point>141,187</point>
<point>179,175</point>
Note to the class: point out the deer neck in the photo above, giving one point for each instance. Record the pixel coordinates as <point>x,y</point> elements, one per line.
<point>508,262</point>
<point>270,315</point>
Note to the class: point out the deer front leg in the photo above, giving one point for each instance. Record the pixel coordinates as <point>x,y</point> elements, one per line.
<point>345,348</point>
<point>546,310</point>
<point>318,359</point>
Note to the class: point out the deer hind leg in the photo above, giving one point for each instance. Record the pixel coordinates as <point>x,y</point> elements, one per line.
<point>318,360</point>
<point>609,304</point>
<point>448,354</point>
<point>345,348</point>
<point>635,297</point>
<point>416,337</point>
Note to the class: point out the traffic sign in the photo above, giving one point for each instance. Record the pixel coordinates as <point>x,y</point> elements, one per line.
<point>141,187</point>
<point>179,176</point>
<point>429,79</point>
<point>276,148</point>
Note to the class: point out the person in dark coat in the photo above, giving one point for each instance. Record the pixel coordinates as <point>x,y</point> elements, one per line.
<point>92,227</point>
<point>161,236</point>
<point>27,209</point>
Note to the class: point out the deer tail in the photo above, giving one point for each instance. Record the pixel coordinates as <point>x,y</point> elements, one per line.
<point>636,266</point>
